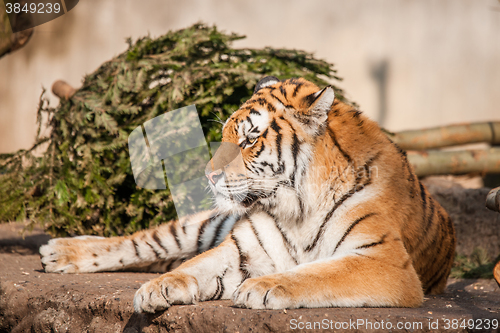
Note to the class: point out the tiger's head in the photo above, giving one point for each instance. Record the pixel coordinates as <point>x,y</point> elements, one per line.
<point>267,143</point>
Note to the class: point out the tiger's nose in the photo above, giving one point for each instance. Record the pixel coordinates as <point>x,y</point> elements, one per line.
<point>214,176</point>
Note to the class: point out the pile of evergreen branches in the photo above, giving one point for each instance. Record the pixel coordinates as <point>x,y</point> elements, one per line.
<point>83,182</point>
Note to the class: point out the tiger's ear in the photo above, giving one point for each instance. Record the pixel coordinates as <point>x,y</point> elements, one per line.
<point>315,113</point>
<point>321,102</point>
<point>265,82</point>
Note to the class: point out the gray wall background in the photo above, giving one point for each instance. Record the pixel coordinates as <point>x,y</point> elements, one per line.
<point>407,63</point>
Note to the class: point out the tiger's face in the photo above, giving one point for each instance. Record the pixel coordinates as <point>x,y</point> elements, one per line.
<point>267,143</point>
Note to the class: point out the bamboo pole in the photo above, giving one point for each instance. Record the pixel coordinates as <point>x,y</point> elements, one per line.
<point>436,162</point>
<point>493,199</point>
<point>445,136</point>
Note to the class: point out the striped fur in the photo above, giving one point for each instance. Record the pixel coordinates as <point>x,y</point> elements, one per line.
<point>324,210</point>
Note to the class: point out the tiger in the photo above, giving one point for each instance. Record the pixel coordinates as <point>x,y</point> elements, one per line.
<point>323,211</point>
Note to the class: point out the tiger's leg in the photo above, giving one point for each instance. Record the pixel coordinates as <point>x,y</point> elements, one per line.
<point>212,275</point>
<point>372,278</point>
<point>156,249</point>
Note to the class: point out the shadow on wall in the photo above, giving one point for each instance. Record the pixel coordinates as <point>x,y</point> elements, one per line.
<point>379,73</point>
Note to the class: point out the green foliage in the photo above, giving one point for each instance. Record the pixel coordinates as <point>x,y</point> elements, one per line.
<point>477,265</point>
<point>83,182</point>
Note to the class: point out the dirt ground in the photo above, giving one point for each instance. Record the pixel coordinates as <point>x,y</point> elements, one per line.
<point>34,301</point>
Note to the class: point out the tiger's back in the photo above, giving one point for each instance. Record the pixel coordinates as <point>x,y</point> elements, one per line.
<point>426,229</point>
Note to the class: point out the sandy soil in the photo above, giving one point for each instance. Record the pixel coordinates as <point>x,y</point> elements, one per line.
<point>34,301</point>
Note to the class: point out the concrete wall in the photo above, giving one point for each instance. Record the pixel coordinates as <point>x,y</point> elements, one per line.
<point>408,64</point>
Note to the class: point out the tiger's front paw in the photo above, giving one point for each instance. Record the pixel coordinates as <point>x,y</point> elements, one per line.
<point>264,293</point>
<point>169,289</point>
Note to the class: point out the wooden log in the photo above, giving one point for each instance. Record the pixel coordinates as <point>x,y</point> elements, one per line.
<point>436,162</point>
<point>63,90</point>
<point>493,199</point>
<point>446,136</point>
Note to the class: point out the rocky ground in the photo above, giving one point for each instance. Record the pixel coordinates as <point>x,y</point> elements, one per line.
<point>34,301</point>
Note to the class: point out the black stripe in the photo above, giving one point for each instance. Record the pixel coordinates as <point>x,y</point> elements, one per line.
<point>283,91</point>
<point>366,246</point>
<point>356,114</point>
<point>169,266</point>
<point>424,199</point>
<point>436,242</point>
<point>430,216</point>
<point>411,176</point>
<point>295,154</point>
<point>217,294</point>
<point>336,143</point>
<point>158,241</point>
<point>437,278</point>
<point>174,233</point>
<point>136,247</point>
<point>286,241</point>
<point>184,224</point>
<point>344,197</point>
<point>221,282</point>
<point>277,128</point>
<point>309,99</point>
<point>217,231</point>
<point>262,147</point>
<point>279,100</point>
<point>265,298</point>
<point>157,254</point>
<point>201,232</point>
<point>256,235</point>
<point>250,167</point>
<point>327,218</point>
<point>350,229</point>
<point>441,271</point>
<point>253,111</point>
<point>301,205</point>
<point>263,102</point>
<point>250,121</point>
<point>295,147</point>
<point>426,231</point>
<point>243,259</point>
<point>297,87</point>
<point>364,256</point>
<point>219,291</point>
